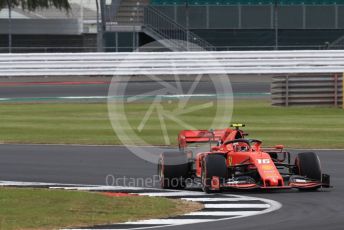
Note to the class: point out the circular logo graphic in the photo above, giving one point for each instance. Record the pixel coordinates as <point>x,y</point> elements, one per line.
<point>162,99</point>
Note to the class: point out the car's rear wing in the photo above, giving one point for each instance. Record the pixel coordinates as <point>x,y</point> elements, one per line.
<point>200,136</point>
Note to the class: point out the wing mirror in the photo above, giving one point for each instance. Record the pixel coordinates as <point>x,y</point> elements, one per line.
<point>279,147</point>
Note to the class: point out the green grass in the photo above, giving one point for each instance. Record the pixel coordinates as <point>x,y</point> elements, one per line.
<point>300,127</point>
<point>55,123</point>
<point>89,124</point>
<point>53,209</point>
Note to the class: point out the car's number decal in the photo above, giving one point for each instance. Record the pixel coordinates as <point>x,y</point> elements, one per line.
<point>263,161</point>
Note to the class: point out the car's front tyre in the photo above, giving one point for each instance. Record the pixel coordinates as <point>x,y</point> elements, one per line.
<point>307,164</point>
<point>173,170</point>
<point>214,165</point>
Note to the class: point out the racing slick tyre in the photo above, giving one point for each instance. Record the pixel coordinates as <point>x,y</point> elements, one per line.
<point>213,165</point>
<point>173,170</point>
<point>308,165</point>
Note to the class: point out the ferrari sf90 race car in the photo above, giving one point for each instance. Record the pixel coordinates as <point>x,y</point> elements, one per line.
<point>220,159</point>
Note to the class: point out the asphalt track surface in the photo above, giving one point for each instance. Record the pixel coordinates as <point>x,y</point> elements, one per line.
<point>91,164</point>
<point>66,89</point>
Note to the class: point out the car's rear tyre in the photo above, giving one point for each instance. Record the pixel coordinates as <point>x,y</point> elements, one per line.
<point>213,165</point>
<point>308,165</point>
<point>173,170</point>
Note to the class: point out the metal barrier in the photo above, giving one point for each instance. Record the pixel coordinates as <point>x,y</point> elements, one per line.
<point>157,25</point>
<point>169,63</point>
<point>164,29</point>
<point>301,90</point>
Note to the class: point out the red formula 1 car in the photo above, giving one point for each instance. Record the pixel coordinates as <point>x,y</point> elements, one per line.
<point>229,160</point>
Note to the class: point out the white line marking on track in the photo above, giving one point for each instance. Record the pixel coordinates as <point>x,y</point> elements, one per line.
<point>224,213</point>
<point>196,199</point>
<point>164,194</point>
<point>237,206</point>
<point>170,221</point>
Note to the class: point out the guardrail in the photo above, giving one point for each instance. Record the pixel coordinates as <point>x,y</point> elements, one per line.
<point>167,63</point>
<point>307,90</point>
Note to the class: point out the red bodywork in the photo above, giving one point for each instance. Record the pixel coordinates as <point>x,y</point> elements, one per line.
<point>240,154</point>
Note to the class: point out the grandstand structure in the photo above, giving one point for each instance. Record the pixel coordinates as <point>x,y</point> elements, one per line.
<point>49,30</point>
<point>257,24</point>
<point>210,24</point>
